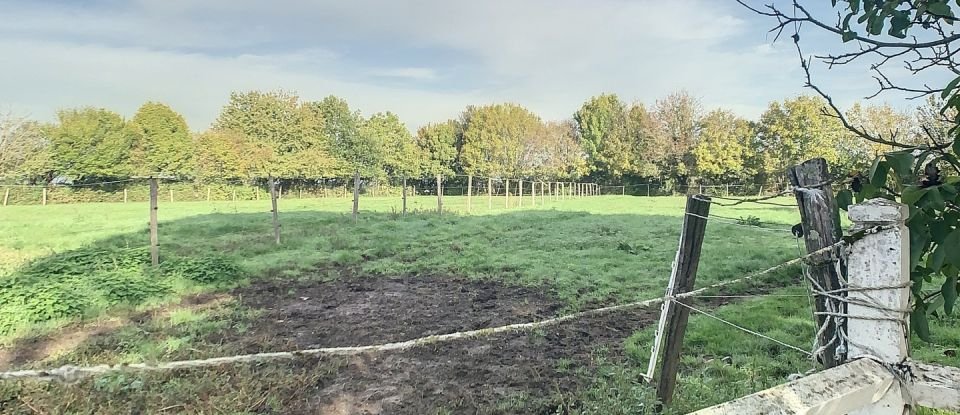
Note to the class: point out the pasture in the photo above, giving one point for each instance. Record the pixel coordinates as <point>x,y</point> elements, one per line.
<point>79,290</point>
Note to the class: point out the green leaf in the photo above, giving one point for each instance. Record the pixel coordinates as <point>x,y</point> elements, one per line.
<point>956,146</point>
<point>855,6</point>
<point>918,244</point>
<point>918,320</point>
<point>878,172</point>
<point>849,35</point>
<point>935,260</point>
<point>949,292</point>
<point>844,199</point>
<point>932,199</point>
<point>902,164</point>
<point>912,194</point>
<point>949,88</point>
<point>939,9</point>
<point>951,246</point>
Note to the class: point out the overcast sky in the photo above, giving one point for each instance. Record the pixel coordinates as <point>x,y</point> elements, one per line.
<point>423,59</point>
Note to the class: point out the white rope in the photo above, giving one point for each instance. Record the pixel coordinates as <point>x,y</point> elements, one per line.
<point>746,330</point>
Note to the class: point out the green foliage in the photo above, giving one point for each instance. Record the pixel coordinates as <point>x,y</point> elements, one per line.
<point>162,142</point>
<point>500,140</point>
<point>723,147</point>
<point>436,145</point>
<point>394,141</point>
<point>357,151</point>
<point>205,270</point>
<point>618,140</point>
<point>75,283</point>
<point>91,142</point>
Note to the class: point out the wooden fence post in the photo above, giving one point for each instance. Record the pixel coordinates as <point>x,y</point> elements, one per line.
<point>256,189</point>
<point>43,201</point>
<point>648,189</point>
<point>233,195</point>
<point>439,195</point>
<point>821,228</point>
<point>154,238</point>
<point>6,196</point>
<point>674,318</point>
<point>489,193</point>
<point>124,195</point>
<point>507,193</point>
<point>276,214</point>
<point>208,193</point>
<point>404,211</point>
<point>519,193</point>
<point>543,193</point>
<point>171,195</point>
<point>356,194</point>
<point>469,192</point>
<point>877,263</point>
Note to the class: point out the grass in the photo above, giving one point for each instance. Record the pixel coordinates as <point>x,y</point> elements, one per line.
<point>593,251</point>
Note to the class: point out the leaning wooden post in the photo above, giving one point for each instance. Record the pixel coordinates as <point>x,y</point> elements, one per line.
<point>6,196</point>
<point>276,214</point>
<point>404,211</point>
<point>673,318</point>
<point>439,195</point>
<point>356,194</point>
<point>469,192</point>
<point>878,300</point>
<point>489,193</point>
<point>154,239</point>
<point>821,228</point>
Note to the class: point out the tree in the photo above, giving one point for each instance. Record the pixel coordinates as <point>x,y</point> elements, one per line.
<point>721,151</point>
<point>436,144</point>
<point>162,142</point>
<point>289,136</point>
<point>226,155</point>
<point>495,140</point>
<point>90,143</point>
<point>918,34</point>
<point>678,118</point>
<point>601,122</point>
<point>641,136</point>
<point>24,150</point>
<point>392,138</point>
<point>795,130</point>
<point>342,127</point>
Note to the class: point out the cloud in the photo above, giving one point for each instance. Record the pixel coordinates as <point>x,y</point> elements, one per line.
<point>423,59</point>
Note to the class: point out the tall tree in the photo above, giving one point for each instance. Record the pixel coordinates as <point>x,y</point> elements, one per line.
<point>494,140</point>
<point>286,132</point>
<point>24,150</point>
<point>678,117</point>
<point>641,132</point>
<point>227,155</point>
<point>602,125</point>
<point>91,143</point>
<point>342,126</point>
<point>392,138</point>
<point>721,151</point>
<point>436,144</point>
<point>162,142</point>
<point>797,129</point>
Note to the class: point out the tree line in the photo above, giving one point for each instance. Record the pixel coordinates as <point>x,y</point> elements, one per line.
<point>278,134</point>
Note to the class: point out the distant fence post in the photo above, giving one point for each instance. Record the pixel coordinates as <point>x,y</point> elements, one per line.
<point>672,318</point>
<point>404,211</point>
<point>171,195</point>
<point>878,303</point>
<point>544,189</point>
<point>208,193</point>
<point>489,193</point>
<point>439,195</point>
<point>276,214</point>
<point>507,193</point>
<point>356,194</point>
<point>154,239</point>
<point>124,195</point>
<point>6,196</point>
<point>43,201</point>
<point>648,189</point>
<point>821,228</point>
<point>519,193</point>
<point>469,192</point>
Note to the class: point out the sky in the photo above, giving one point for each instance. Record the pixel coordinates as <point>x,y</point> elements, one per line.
<point>424,60</point>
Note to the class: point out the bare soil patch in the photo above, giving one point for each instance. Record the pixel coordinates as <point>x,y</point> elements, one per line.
<point>507,373</point>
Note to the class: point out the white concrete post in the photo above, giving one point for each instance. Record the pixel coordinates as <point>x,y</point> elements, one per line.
<point>878,300</point>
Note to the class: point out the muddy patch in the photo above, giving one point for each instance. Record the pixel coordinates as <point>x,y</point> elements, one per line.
<point>362,311</point>
<point>518,372</point>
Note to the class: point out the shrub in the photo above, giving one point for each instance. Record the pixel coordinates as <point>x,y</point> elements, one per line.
<point>126,287</point>
<point>204,270</point>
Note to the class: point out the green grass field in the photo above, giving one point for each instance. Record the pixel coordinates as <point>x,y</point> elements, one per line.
<point>580,253</point>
